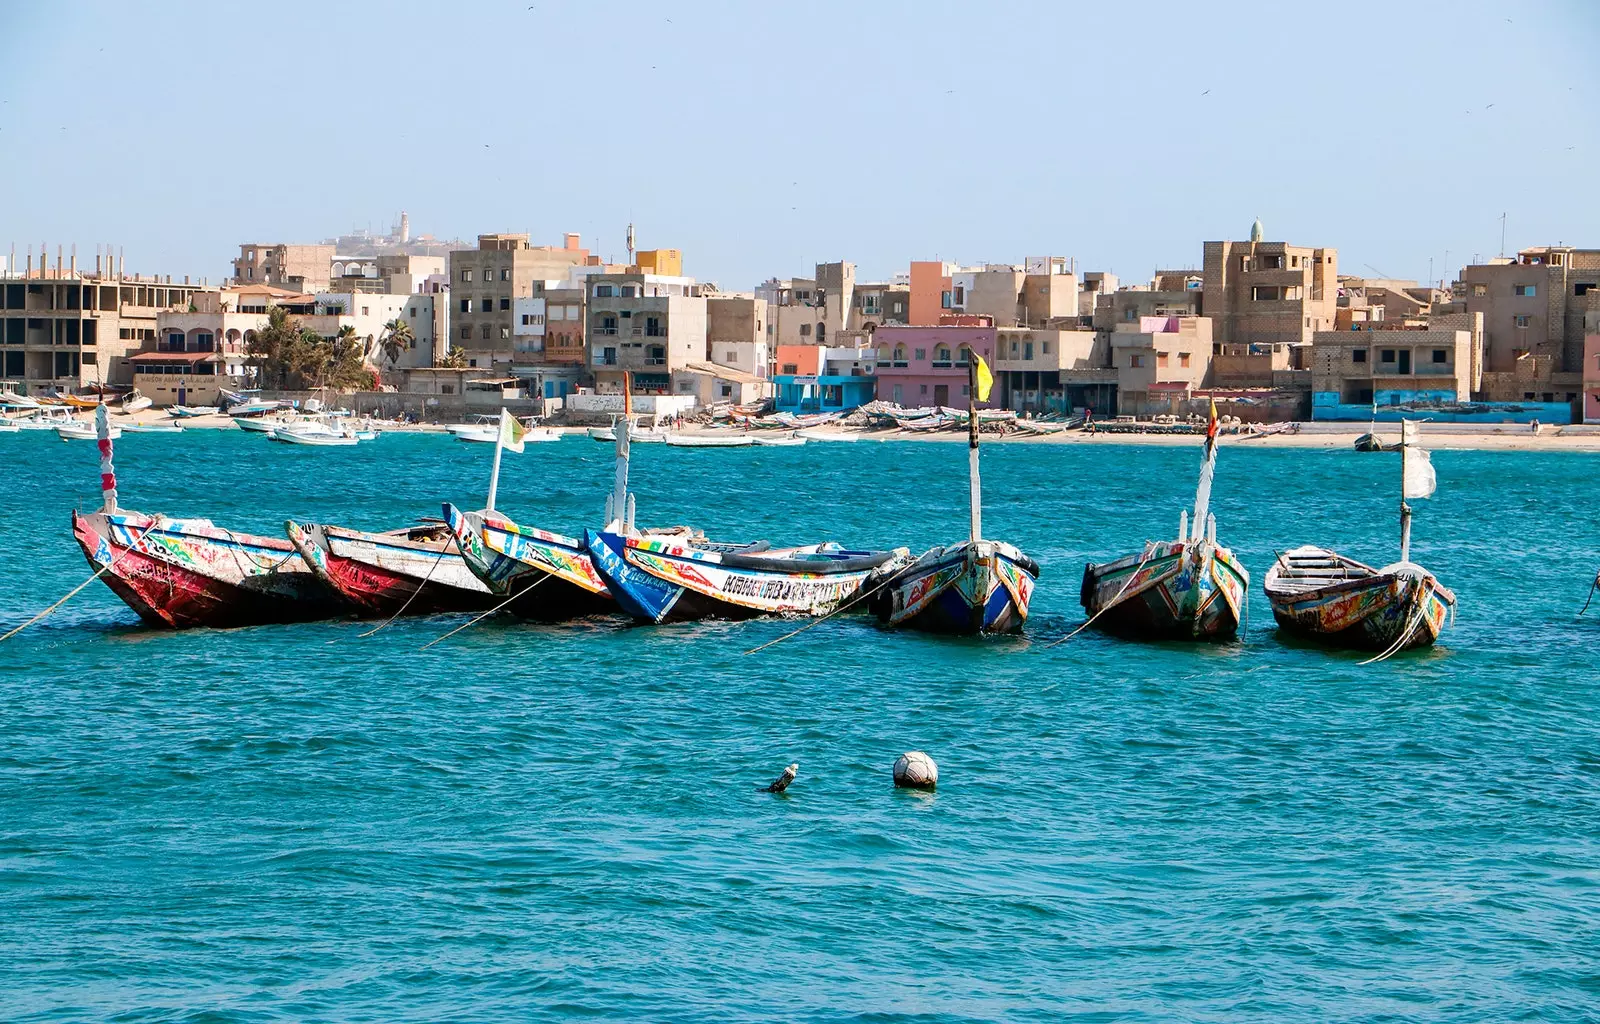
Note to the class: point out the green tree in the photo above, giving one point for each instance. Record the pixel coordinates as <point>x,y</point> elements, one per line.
<point>397,337</point>
<point>456,359</point>
<point>272,345</point>
<point>346,363</point>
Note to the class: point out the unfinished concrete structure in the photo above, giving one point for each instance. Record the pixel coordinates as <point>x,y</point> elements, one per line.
<point>1261,292</point>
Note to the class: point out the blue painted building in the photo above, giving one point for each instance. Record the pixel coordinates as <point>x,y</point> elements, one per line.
<point>812,393</point>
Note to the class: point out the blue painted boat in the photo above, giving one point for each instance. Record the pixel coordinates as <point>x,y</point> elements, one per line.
<point>976,586</point>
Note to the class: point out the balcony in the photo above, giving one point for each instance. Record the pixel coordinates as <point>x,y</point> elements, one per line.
<point>604,332</point>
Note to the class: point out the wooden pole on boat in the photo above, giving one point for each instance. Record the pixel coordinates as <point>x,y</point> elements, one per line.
<point>975,497</point>
<point>499,446</point>
<point>623,431</point>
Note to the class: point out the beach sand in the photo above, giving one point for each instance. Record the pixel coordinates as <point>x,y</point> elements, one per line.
<point>1485,437</point>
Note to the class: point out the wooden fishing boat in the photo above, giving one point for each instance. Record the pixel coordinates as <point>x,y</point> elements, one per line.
<point>1323,595</point>
<point>1190,588</point>
<point>551,576</point>
<point>976,586</point>
<point>417,569</point>
<point>190,411</point>
<point>190,572</point>
<point>1373,443</point>
<point>314,439</point>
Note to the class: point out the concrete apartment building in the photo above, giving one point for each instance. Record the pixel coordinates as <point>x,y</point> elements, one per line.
<point>1096,283</point>
<point>1537,309</point>
<point>1160,361</point>
<point>391,273</point>
<point>63,328</point>
<point>298,268</point>
<point>736,333</point>
<point>925,366</point>
<point>1042,292</point>
<point>1032,365</point>
<point>1391,364</point>
<point>485,281</point>
<point>1261,292</point>
<point>651,325</point>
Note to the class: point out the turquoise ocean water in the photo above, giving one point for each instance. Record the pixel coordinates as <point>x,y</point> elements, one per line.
<point>550,823</point>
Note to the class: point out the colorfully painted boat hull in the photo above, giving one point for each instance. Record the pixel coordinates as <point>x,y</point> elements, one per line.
<point>185,573</point>
<point>1390,609</point>
<point>962,590</point>
<point>549,577</point>
<point>383,573</point>
<point>1171,591</point>
<point>740,585</point>
<point>638,593</point>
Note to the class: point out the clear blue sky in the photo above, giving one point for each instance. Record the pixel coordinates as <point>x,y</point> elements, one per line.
<point>761,139</point>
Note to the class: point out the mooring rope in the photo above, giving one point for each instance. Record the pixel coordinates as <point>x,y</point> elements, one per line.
<point>486,614</point>
<point>1592,587</point>
<point>817,622</point>
<point>451,539</point>
<point>1108,606</point>
<point>79,588</point>
<point>1394,648</point>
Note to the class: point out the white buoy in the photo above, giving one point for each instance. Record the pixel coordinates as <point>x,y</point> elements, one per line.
<point>915,770</point>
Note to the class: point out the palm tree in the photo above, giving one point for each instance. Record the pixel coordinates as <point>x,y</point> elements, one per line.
<point>455,360</point>
<point>272,345</point>
<point>396,338</point>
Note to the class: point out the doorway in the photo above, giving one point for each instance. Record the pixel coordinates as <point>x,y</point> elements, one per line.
<point>1405,360</point>
<point>941,394</point>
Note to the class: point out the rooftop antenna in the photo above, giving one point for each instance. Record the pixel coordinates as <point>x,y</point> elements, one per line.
<point>1502,234</point>
<point>630,243</point>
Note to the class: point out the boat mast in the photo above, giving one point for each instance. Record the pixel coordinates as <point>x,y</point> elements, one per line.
<point>1208,468</point>
<point>499,446</point>
<point>1405,510</point>
<point>975,486</point>
<point>618,512</point>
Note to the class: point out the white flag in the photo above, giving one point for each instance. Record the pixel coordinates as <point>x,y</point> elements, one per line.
<point>1419,481</point>
<point>511,432</point>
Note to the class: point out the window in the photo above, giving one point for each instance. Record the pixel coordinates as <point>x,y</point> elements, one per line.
<point>505,303</point>
<point>486,305</point>
<point>1136,360</point>
<point>1265,293</point>
<point>1584,287</point>
<point>961,295</point>
<point>1183,359</point>
<point>925,389</point>
<point>941,355</point>
<point>505,332</point>
<point>944,300</point>
<point>1438,355</point>
<point>629,291</point>
<point>1014,348</point>
<point>484,333</point>
<point>920,354</point>
<point>1044,348</point>
<point>1386,356</point>
<point>899,307</point>
<point>1161,360</point>
<point>1522,320</point>
<point>609,357</point>
<point>603,291</point>
<point>505,275</point>
<point>730,357</point>
<point>1524,290</point>
<point>1358,355</point>
<point>466,334</point>
<point>466,305</point>
<point>365,311</point>
<point>466,275</point>
<point>1272,262</point>
<point>1027,350</point>
<point>805,330</point>
<point>791,368</point>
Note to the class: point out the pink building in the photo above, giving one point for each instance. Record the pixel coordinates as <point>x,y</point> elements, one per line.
<point>922,366</point>
<point>1591,379</point>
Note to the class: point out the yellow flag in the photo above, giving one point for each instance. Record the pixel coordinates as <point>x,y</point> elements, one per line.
<point>985,378</point>
<point>511,432</point>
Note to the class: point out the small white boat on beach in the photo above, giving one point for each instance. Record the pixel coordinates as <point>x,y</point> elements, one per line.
<point>8,427</point>
<point>710,441</point>
<point>134,402</point>
<point>818,435</point>
<point>314,439</point>
<point>261,424</point>
<point>83,432</point>
<point>44,417</point>
<point>152,428</point>
<point>783,441</point>
<point>187,411</point>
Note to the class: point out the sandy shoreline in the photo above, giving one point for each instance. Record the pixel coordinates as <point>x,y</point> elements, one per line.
<point>1490,437</point>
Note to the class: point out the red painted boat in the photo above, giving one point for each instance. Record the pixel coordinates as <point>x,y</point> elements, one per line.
<point>181,573</point>
<point>417,570</point>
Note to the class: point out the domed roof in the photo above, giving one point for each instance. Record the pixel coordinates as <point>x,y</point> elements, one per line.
<point>1257,232</point>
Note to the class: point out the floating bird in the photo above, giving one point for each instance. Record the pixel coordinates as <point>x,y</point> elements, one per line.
<point>781,783</point>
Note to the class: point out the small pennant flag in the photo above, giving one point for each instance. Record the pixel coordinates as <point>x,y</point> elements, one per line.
<point>511,432</point>
<point>985,379</point>
<point>1211,424</point>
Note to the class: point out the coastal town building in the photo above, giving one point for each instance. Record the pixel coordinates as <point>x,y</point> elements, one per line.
<point>1537,309</point>
<point>649,325</point>
<point>712,384</point>
<point>1160,361</point>
<point>298,268</point>
<point>736,333</point>
<point>1096,283</point>
<point>1042,292</point>
<point>1591,377</point>
<point>1268,293</point>
<point>64,328</point>
<point>1357,373</point>
<point>390,272</point>
<point>824,378</point>
<point>485,281</point>
<point>927,366</point>
<point>1032,366</point>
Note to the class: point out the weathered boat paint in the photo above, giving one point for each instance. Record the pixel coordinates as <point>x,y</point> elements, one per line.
<point>555,572</point>
<point>182,573</point>
<point>1189,590</point>
<point>967,588</point>
<point>420,571</point>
